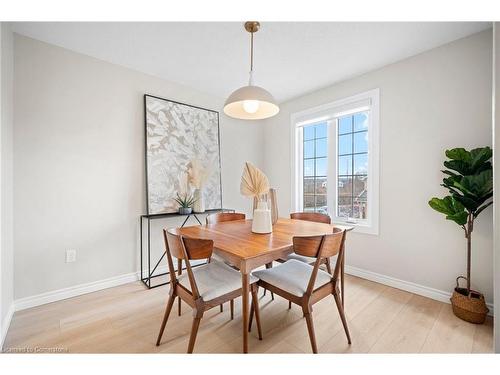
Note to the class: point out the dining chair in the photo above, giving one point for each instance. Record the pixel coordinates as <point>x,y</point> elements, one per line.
<point>303,284</point>
<point>318,218</point>
<point>221,217</point>
<point>213,219</point>
<point>224,216</point>
<point>307,216</point>
<point>203,287</point>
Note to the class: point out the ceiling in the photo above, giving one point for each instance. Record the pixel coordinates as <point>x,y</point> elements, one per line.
<point>291,58</point>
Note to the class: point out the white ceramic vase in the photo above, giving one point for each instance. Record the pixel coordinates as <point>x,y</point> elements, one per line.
<point>262,222</point>
<point>199,204</point>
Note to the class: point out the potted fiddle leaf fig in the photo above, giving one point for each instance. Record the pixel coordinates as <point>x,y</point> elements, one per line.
<point>469,180</point>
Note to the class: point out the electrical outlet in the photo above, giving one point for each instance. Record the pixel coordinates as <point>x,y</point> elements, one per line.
<point>70,256</point>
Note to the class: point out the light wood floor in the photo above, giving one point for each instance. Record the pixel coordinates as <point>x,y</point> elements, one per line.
<point>126,319</point>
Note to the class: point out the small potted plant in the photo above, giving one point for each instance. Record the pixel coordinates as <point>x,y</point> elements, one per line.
<point>185,202</point>
<point>470,184</point>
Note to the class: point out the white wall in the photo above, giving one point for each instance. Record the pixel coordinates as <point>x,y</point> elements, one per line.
<point>6,219</point>
<point>433,101</point>
<point>496,174</point>
<point>79,164</point>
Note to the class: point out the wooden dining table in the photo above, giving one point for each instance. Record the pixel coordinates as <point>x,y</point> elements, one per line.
<point>235,242</point>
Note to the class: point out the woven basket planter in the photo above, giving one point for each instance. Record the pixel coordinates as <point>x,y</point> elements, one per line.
<point>471,308</point>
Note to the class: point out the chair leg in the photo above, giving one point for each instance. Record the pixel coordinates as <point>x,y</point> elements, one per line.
<point>328,266</point>
<point>289,305</point>
<point>231,304</point>
<point>221,307</point>
<point>194,332</point>
<point>342,316</point>
<point>170,303</point>
<point>255,308</point>
<point>310,328</point>
<point>269,265</point>
<point>342,273</point>
<point>179,272</point>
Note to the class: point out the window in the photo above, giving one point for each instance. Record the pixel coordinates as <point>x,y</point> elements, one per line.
<point>336,161</point>
<point>315,168</point>
<point>352,166</point>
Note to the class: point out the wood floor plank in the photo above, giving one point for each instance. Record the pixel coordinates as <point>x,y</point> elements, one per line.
<point>409,330</point>
<point>449,334</point>
<point>126,319</point>
<point>368,325</point>
<point>483,337</point>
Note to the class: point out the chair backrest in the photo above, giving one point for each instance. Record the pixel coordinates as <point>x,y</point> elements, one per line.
<point>321,247</point>
<point>186,248</point>
<point>224,216</point>
<point>309,246</point>
<point>311,216</point>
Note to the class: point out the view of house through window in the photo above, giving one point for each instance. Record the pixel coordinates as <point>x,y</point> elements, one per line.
<point>352,169</point>
<point>315,167</point>
<point>350,152</point>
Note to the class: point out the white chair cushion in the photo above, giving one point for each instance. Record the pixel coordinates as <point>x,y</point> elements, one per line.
<point>308,260</point>
<point>214,280</point>
<point>293,277</point>
<point>301,258</point>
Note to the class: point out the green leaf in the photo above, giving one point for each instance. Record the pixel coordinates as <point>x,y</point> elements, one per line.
<point>450,181</point>
<point>469,203</point>
<point>458,165</point>
<point>480,156</point>
<point>460,217</point>
<point>449,173</point>
<point>453,209</point>
<point>463,187</point>
<point>459,154</point>
<point>478,184</point>
<point>468,162</point>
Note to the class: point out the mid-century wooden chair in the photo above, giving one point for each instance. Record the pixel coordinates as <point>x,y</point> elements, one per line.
<point>213,219</point>
<point>318,218</point>
<point>221,217</point>
<point>203,287</point>
<point>224,216</point>
<point>304,285</point>
<point>311,216</point>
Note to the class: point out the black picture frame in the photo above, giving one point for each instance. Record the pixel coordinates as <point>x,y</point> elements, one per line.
<point>146,148</point>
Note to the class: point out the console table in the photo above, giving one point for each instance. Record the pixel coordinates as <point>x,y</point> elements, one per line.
<point>146,279</point>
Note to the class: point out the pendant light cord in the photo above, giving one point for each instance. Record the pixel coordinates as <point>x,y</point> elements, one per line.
<point>251,51</point>
<point>250,81</point>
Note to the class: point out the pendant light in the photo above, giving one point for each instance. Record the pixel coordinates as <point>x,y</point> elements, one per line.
<point>251,102</point>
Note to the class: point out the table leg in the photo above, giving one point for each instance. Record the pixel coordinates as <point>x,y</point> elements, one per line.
<point>342,278</point>
<point>245,288</point>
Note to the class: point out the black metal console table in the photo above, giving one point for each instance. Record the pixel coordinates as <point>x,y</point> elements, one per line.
<point>146,279</point>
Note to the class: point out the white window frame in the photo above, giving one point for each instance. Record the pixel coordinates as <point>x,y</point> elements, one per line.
<point>329,112</point>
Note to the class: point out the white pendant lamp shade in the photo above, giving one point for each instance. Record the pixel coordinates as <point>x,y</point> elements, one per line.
<point>251,103</point>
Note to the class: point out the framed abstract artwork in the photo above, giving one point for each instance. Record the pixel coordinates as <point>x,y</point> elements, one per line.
<point>177,134</point>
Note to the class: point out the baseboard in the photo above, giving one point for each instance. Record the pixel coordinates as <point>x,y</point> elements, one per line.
<point>6,325</point>
<point>421,290</point>
<point>78,290</point>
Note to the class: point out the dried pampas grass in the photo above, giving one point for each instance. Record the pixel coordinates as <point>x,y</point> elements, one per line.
<point>198,174</point>
<point>254,182</point>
